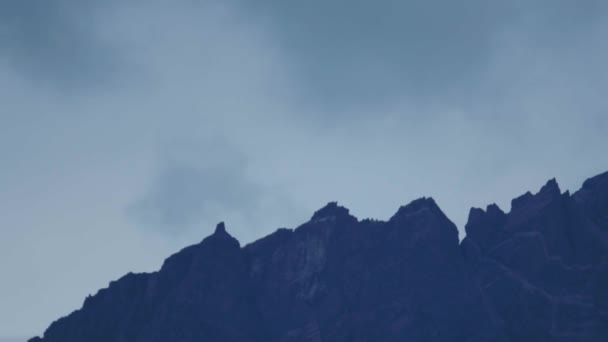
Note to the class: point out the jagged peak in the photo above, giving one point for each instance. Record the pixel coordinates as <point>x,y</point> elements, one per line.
<point>478,214</point>
<point>494,209</point>
<point>547,192</point>
<point>331,211</point>
<point>418,205</point>
<point>550,188</point>
<point>478,219</point>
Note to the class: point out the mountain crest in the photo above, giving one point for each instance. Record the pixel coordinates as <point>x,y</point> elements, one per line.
<point>493,214</point>
<point>537,273</point>
<point>418,206</point>
<point>332,212</point>
<point>494,210</point>
<point>551,188</point>
<point>546,194</point>
<point>599,182</point>
<point>221,238</point>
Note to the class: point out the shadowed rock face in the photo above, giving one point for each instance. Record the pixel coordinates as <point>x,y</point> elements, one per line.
<point>543,267</point>
<point>538,273</point>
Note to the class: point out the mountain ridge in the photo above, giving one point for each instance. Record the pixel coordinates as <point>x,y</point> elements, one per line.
<point>534,273</point>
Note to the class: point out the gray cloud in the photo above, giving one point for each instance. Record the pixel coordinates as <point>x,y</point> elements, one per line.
<point>201,183</point>
<point>196,185</point>
<point>56,41</point>
<point>377,51</point>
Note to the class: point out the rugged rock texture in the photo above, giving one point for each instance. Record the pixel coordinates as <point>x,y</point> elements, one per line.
<point>543,267</point>
<point>538,273</point>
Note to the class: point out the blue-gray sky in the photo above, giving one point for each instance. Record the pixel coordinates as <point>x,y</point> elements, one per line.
<point>129,128</point>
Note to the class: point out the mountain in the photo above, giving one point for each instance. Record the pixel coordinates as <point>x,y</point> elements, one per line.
<point>537,273</point>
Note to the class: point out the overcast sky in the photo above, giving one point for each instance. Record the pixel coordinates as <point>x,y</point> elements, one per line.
<point>129,128</point>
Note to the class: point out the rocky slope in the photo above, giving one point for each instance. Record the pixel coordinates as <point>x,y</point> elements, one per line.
<point>538,273</point>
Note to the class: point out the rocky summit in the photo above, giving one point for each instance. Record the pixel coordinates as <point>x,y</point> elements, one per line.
<point>536,273</point>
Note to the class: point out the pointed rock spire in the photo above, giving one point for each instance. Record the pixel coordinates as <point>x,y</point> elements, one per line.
<point>220,234</point>
<point>220,228</point>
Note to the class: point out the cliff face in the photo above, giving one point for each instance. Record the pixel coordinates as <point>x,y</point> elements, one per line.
<point>543,266</point>
<point>538,273</point>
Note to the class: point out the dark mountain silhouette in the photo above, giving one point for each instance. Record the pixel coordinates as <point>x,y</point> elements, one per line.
<point>538,273</point>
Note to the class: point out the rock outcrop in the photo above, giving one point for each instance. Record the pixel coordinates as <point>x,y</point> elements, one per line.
<point>537,273</point>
